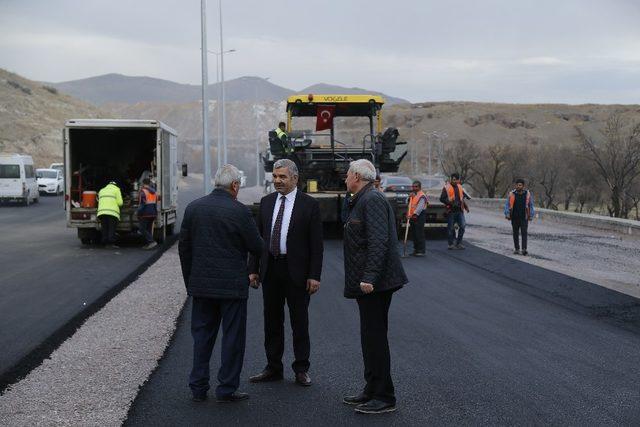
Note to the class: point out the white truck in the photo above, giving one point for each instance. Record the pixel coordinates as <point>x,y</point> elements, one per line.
<point>17,179</point>
<point>97,151</point>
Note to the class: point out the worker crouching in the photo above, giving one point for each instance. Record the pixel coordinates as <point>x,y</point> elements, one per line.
<point>109,203</point>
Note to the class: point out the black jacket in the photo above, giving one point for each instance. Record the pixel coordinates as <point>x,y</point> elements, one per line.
<point>304,239</point>
<point>370,242</point>
<point>217,232</point>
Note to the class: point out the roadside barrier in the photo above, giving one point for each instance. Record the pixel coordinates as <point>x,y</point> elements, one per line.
<point>618,225</point>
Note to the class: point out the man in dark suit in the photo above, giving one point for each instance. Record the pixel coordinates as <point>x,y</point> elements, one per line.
<point>289,268</point>
<point>217,233</point>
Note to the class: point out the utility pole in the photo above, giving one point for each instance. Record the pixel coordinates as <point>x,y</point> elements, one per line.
<point>205,102</point>
<point>223,124</point>
<point>258,132</point>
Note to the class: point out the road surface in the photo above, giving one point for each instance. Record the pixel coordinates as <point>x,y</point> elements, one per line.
<point>49,278</point>
<point>473,341</point>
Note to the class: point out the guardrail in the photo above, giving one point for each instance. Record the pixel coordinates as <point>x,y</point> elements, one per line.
<point>618,225</point>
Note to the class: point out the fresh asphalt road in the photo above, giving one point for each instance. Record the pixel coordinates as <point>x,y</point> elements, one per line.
<point>473,341</point>
<point>47,276</point>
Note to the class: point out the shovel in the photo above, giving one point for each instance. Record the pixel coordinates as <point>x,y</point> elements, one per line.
<point>406,235</point>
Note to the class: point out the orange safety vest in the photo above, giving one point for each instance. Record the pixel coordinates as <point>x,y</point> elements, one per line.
<point>451,195</point>
<point>151,198</point>
<point>512,200</point>
<point>414,200</point>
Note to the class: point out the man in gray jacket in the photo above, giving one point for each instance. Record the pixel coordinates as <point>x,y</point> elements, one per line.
<point>216,237</point>
<point>373,272</point>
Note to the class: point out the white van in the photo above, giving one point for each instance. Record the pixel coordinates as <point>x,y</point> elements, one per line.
<point>18,179</point>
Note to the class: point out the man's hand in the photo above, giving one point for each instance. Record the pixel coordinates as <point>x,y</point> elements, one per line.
<point>312,286</point>
<point>366,288</point>
<point>254,281</point>
<point>508,217</point>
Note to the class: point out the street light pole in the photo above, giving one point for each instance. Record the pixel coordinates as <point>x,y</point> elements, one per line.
<point>205,103</point>
<point>255,106</point>
<point>223,124</point>
<point>219,109</point>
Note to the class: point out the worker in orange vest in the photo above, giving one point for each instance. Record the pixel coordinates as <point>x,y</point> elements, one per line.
<point>147,212</point>
<point>418,202</point>
<point>453,197</point>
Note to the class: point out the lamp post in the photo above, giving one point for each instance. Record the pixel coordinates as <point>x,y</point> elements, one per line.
<point>223,125</point>
<point>220,106</point>
<point>255,106</point>
<point>205,102</point>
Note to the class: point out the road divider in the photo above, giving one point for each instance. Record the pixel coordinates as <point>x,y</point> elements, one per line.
<point>93,377</point>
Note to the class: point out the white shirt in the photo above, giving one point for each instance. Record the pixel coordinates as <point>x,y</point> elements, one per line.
<point>286,217</point>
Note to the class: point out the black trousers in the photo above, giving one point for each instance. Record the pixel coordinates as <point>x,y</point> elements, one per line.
<point>206,316</point>
<point>417,232</point>
<point>519,227</point>
<point>374,323</point>
<point>108,226</point>
<point>276,289</point>
<point>146,224</point>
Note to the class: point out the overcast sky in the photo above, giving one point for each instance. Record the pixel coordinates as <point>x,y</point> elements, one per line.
<point>571,51</point>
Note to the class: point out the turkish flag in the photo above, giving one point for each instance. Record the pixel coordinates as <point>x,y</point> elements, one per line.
<point>324,117</point>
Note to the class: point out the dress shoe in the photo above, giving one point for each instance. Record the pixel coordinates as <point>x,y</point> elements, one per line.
<point>265,376</point>
<point>375,407</point>
<point>233,397</point>
<point>199,397</point>
<point>303,378</point>
<point>356,400</point>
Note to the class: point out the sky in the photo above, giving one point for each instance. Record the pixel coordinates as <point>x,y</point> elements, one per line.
<point>519,51</point>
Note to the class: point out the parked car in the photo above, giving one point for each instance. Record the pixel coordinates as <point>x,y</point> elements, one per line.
<point>396,183</point>
<point>435,183</point>
<point>59,166</point>
<point>18,179</point>
<point>50,181</point>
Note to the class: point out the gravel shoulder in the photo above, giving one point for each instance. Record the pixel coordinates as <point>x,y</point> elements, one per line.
<point>605,258</point>
<point>89,380</point>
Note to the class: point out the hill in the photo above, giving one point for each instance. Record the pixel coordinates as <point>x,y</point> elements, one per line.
<point>32,116</point>
<point>121,89</point>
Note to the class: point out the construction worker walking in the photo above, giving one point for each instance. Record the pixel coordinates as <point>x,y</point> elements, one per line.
<point>418,202</point>
<point>109,203</point>
<point>452,197</point>
<point>147,212</point>
<point>519,210</point>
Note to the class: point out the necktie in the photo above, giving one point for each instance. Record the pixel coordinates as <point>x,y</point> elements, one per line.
<point>277,228</point>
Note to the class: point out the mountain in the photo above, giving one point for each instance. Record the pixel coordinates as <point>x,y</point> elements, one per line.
<point>32,116</point>
<point>327,88</point>
<point>121,89</point>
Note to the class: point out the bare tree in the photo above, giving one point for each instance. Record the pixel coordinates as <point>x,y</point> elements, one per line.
<point>489,172</point>
<point>460,156</point>
<point>617,159</point>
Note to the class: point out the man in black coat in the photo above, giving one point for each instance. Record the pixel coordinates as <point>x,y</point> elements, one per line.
<point>289,268</point>
<point>217,234</point>
<point>373,272</point>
